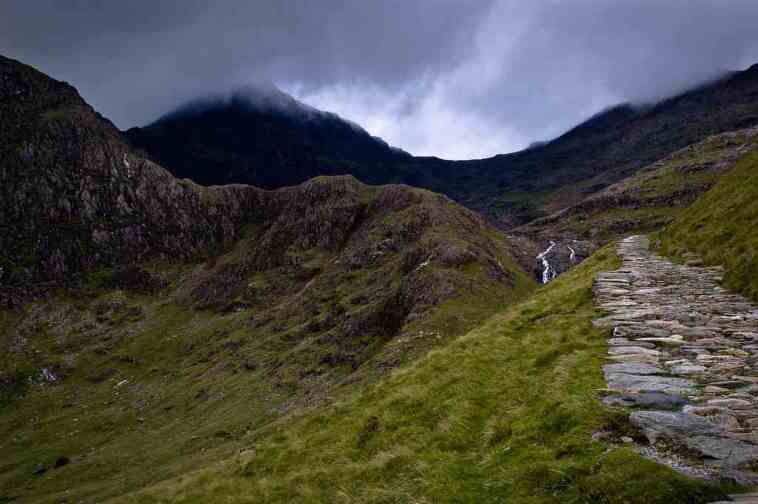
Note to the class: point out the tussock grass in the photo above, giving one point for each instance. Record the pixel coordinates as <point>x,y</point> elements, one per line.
<point>503,414</point>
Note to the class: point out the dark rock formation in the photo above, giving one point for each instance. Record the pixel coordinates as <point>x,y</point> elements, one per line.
<point>74,195</point>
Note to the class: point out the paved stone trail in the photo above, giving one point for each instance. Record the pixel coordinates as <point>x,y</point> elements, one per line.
<point>684,356</point>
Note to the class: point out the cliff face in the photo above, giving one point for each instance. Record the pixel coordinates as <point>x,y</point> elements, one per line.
<point>73,194</point>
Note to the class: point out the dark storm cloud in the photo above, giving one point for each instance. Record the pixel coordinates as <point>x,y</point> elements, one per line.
<point>454,78</point>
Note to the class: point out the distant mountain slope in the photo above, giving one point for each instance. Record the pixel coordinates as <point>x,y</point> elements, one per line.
<point>518,187</point>
<point>652,197</point>
<point>264,137</point>
<point>277,141</point>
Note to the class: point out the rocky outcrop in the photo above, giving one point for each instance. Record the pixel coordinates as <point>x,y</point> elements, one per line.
<point>74,195</point>
<point>685,356</point>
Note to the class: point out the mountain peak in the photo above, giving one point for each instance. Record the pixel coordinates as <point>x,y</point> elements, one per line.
<point>260,135</point>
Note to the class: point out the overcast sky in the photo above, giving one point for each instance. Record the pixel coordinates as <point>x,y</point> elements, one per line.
<point>453,78</point>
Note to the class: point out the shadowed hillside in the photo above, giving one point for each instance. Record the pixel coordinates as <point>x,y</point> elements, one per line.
<point>263,137</point>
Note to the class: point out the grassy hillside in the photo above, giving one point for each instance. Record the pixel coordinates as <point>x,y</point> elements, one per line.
<point>651,198</point>
<point>503,414</point>
<point>147,322</point>
<point>721,228</point>
<point>169,366</point>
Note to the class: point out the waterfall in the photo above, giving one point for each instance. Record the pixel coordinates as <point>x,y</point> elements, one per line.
<point>548,273</point>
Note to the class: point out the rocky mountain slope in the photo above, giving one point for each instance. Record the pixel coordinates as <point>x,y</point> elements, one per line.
<point>151,321</point>
<point>264,137</point>
<point>73,194</point>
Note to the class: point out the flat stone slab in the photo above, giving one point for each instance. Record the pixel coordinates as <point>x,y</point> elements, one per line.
<point>649,383</point>
<point>695,433</point>
<point>637,368</point>
<point>688,369</point>
<point>636,350</point>
<point>656,400</point>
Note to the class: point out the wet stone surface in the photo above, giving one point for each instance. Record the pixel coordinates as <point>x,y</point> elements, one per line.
<point>683,357</point>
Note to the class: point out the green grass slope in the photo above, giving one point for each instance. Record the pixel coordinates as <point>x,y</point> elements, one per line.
<point>722,228</point>
<point>503,414</point>
<point>166,367</point>
<point>653,197</point>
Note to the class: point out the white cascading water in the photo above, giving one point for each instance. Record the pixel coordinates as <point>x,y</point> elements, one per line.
<point>548,273</point>
<point>572,257</point>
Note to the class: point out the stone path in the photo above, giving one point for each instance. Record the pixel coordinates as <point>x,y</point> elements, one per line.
<point>683,355</point>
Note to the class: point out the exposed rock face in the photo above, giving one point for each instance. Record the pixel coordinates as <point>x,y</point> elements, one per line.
<point>73,194</point>
<point>677,333</point>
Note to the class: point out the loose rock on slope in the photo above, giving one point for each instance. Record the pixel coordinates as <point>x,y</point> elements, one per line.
<point>685,353</point>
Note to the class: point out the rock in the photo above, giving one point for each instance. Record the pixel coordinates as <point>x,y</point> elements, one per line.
<point>712,389</point>
<point>40,470</point>
<point>732,452</point>
<point>695,433</point>
<point>61,461</point>
<point>671,425</point>
<point>632,358</point>
<point>633,368</point>
<point>704,410</point>
<point>657,400</point>
<point>688,369</point>
<point>648,383</point>
<point>635,350</point>
<point>663,341</point>
<point>735,404</point>
<point>742,478</point>
<point>627,342</point>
